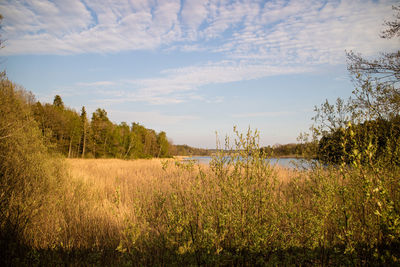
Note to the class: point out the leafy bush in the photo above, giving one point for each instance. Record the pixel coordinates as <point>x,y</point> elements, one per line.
<point>380,137</point>
<point>240,212</point>
<point>27,173</point>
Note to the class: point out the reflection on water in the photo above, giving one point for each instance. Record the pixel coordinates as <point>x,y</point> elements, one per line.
<point>283,162</point>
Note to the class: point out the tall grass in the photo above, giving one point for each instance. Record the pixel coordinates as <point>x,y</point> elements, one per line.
<point>232,212</point>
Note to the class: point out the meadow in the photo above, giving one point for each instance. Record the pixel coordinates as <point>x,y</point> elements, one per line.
<point>132,212</point>
<point>159,212</point>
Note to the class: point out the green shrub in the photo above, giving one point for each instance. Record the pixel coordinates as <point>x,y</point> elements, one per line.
<point>27,173</point>
<point>238,212</point>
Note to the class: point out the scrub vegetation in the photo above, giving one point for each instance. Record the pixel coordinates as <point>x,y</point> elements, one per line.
<point>238,210</point>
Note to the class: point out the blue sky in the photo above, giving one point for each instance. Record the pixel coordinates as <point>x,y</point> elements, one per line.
<point>192,68</point>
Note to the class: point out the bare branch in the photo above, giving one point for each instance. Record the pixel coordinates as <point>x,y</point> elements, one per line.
<point>393,29</point>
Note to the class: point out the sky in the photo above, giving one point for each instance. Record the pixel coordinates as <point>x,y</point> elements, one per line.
<point>193,68</point>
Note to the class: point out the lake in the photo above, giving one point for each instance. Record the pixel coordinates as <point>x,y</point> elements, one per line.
<point>283,162</point>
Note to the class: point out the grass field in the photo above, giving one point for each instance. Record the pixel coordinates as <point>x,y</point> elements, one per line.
<point>138,211</point>
<point>161,212</point>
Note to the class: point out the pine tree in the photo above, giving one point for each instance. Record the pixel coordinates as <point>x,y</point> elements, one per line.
<point>84,123</point>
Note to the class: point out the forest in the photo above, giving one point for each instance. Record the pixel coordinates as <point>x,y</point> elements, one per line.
<point>75,136</point>
<point>292,150</point>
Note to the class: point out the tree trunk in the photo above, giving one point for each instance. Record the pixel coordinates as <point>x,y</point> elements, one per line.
<point>70,148</point>
<point>104,147</point>
<point>84,140</point>
<point>129,149</point>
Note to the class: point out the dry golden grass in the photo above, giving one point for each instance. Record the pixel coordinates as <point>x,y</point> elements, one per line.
<point>106,175</point>
<point>130,179</point>
<point>158,208</point>
<point>102,198</point>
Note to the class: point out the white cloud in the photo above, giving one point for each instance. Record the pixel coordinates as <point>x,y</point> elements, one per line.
<point>35,17</point>
<point>308,32</point>
<point>165,16</point>
<point>291,30</point>
<point>150,118</point>
<point>96,84</point>
<point>178,85</point>
<point>193,15</point>
<point>271,114</point>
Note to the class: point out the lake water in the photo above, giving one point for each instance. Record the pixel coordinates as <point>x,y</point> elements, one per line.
<point>283,162</point>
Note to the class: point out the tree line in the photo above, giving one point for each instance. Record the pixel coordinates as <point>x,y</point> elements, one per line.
<point>75,136</point>
<point>286,150</point>
<point>185,150</point>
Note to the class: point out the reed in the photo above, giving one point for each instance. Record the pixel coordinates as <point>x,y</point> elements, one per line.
<point>231,212</point>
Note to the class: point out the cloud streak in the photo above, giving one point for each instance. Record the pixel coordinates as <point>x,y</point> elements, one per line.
<point>151,118</point>
<point>182,84</point>
<point>272,114</point>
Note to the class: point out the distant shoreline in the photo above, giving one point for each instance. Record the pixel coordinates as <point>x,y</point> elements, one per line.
<point>276,157</point>
<point>288,156</point>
